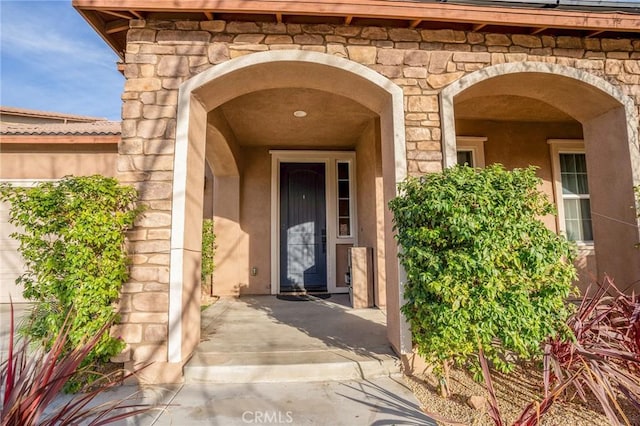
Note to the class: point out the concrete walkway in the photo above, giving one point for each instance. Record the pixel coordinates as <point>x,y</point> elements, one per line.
<point>381,401</point>
<point>299,363</point>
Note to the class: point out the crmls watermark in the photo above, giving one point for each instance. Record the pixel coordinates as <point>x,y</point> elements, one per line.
<point>267,417</point>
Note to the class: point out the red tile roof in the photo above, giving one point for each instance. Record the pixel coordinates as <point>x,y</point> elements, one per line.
<point>60,129</point>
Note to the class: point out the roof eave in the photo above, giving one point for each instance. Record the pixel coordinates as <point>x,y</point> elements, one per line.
<point>410,11</point>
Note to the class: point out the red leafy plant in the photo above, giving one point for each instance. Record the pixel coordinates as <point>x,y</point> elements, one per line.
<point>32,379</point>
<point>533,412</point>
<point>604,355</point>
<point>602,358</point>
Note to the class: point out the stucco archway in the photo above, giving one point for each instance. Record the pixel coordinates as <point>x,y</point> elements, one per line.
<point>609,125</point>
<point>261,71</point>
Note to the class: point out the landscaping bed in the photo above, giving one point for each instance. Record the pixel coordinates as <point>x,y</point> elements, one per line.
<point>514,391</point>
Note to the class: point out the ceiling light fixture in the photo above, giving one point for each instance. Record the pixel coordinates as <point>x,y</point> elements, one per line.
<point>300,113</point>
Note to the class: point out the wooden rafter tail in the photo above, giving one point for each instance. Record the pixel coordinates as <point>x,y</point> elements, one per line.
<point>478,27</point>
<point>594,33</point>
<point>209,15</point>
<point>136,14</point>
<point>538,30</point>
<point>348,19</point>
<point>279,18</point>
<point>415,23</point>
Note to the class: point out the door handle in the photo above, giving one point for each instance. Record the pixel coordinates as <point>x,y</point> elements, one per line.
<point>324,240</point>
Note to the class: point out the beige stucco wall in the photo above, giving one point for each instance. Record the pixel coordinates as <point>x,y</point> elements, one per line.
<point>207,208</point>
<point>18,161</point>
<point>370,206</point>
<point>39,161</point>
<point>520,144</point>
<point>160,56</point>
<point>255,217</point>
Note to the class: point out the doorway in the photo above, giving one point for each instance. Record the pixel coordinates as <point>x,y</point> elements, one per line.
<point>303,227</point>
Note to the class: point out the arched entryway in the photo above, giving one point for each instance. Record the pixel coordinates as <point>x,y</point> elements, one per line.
<point>580,131</point>
<point>237,117</point>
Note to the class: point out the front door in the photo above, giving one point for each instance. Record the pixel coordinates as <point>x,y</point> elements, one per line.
<point>303,230</point>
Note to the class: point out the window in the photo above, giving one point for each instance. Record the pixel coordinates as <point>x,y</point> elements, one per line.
<point>572,190</point>
<point>465,157</point>
<point>344,199</point>
<point>470,150</point>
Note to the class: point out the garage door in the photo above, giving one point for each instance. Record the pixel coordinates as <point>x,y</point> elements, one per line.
<point>12,264</point>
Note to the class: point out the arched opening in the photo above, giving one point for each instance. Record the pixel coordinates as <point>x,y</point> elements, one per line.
<point>236,120</point>
<point>581,133</point>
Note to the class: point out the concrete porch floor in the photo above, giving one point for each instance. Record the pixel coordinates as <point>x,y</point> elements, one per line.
<point>264,339</point>
<point>339,336</point>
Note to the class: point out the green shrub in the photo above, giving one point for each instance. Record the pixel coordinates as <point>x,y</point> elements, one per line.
<point>72,235</point>
<point>208,249</point>
<point>483,271</point>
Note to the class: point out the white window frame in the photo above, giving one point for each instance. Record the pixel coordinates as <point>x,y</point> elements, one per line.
<point>475,145</point>
<point>557,147</point>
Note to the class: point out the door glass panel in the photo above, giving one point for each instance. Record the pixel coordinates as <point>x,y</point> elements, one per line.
<point>344,199</point>
<point>343,208</point>
<point>343,171</point>
<point>343,189</point>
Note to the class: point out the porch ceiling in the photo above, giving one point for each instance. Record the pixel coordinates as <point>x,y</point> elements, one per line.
<point>576,98</point>
<point>265,118</point>
<point>509,108</point>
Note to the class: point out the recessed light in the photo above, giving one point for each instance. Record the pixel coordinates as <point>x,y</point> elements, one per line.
<point>300,113</point>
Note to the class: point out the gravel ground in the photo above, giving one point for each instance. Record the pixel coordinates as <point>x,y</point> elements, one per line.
<point>514,391</point>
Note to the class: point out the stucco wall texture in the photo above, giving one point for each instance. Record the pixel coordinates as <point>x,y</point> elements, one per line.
<point>161,55</point>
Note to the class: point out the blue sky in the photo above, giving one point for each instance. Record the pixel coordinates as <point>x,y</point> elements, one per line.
<point>52,60</point>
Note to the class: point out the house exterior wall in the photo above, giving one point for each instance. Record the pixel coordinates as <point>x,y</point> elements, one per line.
<point>255,218</point>
<point>369,198</point>
<point>161,55</point>
<point>22,164</point>
<point>520,144</point>
<point>29,161</point>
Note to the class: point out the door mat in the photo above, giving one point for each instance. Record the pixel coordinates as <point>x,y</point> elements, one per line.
<point>303,297</point>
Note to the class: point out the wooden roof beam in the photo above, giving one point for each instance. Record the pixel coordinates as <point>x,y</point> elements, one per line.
<point>538,30</point>
<point>478,27</point>
<point>415,23</point>
<point>209,15</point>
<point>116,26</point>
<point>118,14</point>
<point>279,18</point>
<point>136,14</point>
<point>348,19</point>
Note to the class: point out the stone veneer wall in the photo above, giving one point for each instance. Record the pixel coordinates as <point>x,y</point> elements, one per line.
<point>162,54</point>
